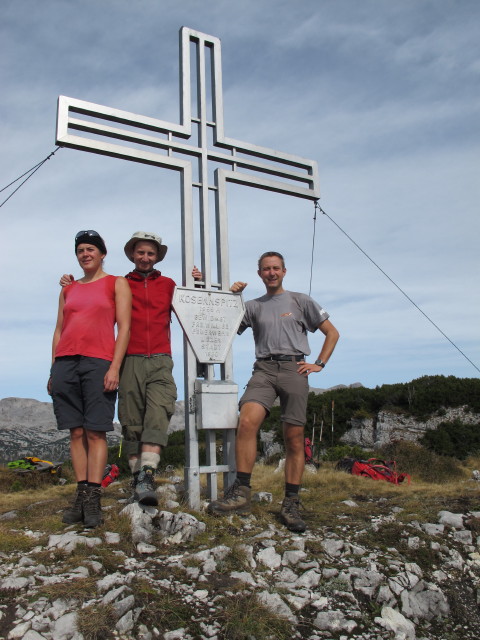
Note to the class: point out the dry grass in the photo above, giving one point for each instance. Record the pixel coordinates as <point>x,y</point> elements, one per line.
<point>162,608</point>
<point>72,589</point>
<point>96,622</point>
<point>324,492</point>
<point>12,540</point>
<point>31,487</point>
<point>39,507</point>
<point>241,615</point>
<point>13,481</point>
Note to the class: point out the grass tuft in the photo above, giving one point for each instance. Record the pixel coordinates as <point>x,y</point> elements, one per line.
<point>244,617</point>
<point>72,589</point>
<point>96,622</point>
<point>12,540</point>
<point>163,609</point>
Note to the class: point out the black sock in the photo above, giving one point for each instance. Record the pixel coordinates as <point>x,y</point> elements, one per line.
<point>244,478</point>
<point>81,483</point>
<point>291,490</point>
<point>94,484</point>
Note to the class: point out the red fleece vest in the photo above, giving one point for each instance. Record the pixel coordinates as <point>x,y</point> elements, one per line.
<point>151,313</point>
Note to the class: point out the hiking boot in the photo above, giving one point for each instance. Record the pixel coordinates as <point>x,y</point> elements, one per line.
<point>133,486</point>
<point>74,513</point>
<point>290,514</point>
<point>92,509</point>
<point>145,488</point>
<point>236,499</point>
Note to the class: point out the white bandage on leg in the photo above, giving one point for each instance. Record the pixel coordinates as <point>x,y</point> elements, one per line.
<point>149,459</point>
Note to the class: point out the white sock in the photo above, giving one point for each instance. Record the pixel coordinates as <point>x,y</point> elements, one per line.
<point>149,459</point>
<point>134,464</point>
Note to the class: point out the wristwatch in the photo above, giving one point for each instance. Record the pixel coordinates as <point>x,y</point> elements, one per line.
<point>319,363</point>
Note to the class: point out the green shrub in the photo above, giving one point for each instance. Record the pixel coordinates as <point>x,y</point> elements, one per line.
<point>421,398</point>
<point>362,414</point>
<point>173,455</point>
<point>417,461</point>
<point>454,439</point>
<point>345,451</point>
<point>121,461</point>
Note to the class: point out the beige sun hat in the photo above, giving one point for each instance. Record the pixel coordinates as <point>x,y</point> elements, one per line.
<point>145,235</point>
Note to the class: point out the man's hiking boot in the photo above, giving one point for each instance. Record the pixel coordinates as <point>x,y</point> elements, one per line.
<point>74,513</point>
<point>133,486</point>
<point>145,488</point>
<point>290,514</point>
<point>92,509</point>
<point>236,499</point>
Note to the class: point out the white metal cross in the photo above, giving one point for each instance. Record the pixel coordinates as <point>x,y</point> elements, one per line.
<point>194,146</point>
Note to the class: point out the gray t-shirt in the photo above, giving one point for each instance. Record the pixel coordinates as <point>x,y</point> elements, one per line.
<point>280,323</point>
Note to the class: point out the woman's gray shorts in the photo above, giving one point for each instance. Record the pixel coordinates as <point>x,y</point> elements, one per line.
<point>78,396</point>
<point>272,379</point>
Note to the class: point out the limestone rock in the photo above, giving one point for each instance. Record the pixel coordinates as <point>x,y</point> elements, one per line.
<point>275,603</point>
<point>178,527</point>
<point>141,520</point>
<point>393,620</point>
<point>334,621</point>
<point>386,428</point>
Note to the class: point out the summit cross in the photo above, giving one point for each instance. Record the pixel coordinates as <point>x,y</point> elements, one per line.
<point>194,147</point>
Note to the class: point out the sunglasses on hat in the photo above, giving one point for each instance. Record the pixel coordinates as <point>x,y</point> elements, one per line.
<point>88,232</point>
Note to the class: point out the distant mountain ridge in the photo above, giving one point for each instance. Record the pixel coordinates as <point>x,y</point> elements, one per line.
<point>26,412</point>
<point>28,428</point>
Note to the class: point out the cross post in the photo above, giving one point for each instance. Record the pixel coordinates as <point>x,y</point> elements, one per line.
<point>193,147</point>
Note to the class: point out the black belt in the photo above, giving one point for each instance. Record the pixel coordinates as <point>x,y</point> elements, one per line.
<point>146,355</point>
<point>283,358</point>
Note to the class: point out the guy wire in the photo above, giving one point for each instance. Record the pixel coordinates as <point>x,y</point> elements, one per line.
<point>317,206</point>
<point>31,172</point>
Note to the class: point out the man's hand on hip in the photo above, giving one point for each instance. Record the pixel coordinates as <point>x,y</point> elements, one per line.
<point>306,368</point>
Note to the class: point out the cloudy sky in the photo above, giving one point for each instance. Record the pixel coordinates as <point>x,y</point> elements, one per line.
<point>383,95</point>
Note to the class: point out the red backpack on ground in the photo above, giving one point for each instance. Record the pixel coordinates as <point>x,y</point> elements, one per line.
<point>373,468</point>
<point>110,474</point>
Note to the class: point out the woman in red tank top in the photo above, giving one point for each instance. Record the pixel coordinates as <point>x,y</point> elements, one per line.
<point>85,372</point>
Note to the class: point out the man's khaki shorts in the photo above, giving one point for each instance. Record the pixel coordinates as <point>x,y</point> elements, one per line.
<point>272,379</point>
<point>146,400</point>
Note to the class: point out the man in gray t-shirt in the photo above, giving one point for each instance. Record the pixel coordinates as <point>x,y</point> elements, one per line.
<point>280,320</point>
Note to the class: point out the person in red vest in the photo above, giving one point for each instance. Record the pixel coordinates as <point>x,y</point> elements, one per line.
<point>147,392</point>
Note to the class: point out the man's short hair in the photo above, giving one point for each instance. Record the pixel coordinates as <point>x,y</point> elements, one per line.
<point>271,254</point>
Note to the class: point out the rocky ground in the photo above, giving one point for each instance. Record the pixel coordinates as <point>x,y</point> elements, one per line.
<point>371,570</point>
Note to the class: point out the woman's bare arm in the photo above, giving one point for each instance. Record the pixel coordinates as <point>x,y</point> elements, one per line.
<point>123,311</point>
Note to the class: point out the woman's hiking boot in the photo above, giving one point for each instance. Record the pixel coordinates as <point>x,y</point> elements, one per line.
<point>92,509</point>
<point>290,514</point>
<point>236,499</point>
<point>145,488</point>
<point>74,513</point>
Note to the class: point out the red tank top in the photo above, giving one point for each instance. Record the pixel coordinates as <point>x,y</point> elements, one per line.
<point>89,319</point>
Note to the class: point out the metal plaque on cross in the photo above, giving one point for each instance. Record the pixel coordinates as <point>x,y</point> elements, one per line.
<point>210,320</point>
